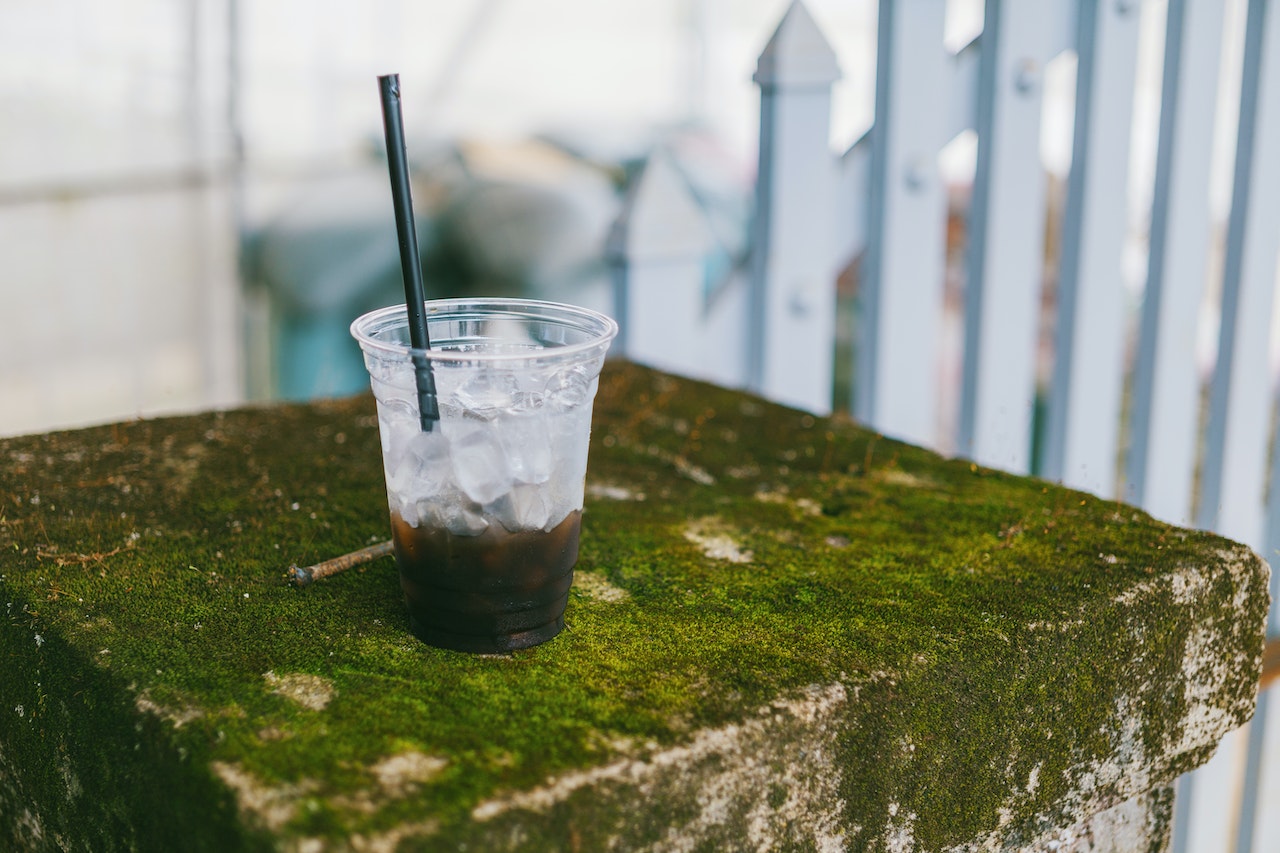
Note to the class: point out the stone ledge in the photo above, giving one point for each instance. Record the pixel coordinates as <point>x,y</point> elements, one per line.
<point>787,633</point>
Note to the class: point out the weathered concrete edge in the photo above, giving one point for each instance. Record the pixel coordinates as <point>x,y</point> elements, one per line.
<point>769,782</point>
<point>774,780</point>
<point>1143,822</point>
<point>1220,663</point>
<point>1221,693</point>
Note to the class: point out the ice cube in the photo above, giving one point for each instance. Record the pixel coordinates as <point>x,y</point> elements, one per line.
<point>420,467</point>
<point>460,517</point>
<point>450,510</point>
<point>397,410</point>
<point>387,385</point>
<point>526,440</point>
<point>569,441</point>
<point>487,394</point>
<point>479,464</point>
<point>397,419</point>
<point>570,434</point>
<point>569,388</point>
<point>570,497</point>
<point>407,510</point>
<point>525,507</point>
<point>525,402</point>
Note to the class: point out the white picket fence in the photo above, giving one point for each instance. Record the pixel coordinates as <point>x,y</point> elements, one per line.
<point>883,202</point>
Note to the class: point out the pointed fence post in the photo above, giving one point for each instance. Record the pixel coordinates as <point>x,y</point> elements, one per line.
<point>793,292</point>
<point>658,248</point>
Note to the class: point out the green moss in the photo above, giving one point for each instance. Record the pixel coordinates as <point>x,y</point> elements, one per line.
<point>989,626</point>
<point>71,741</point>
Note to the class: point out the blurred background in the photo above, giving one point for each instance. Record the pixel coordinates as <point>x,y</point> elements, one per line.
<point>194,201</point>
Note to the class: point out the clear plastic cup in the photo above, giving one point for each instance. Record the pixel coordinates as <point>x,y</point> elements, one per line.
<point>486,507</point>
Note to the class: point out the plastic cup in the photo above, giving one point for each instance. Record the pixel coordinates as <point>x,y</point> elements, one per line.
<point>486,507</point>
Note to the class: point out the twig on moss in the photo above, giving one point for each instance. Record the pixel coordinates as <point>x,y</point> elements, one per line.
<point>303,576</point>
<point>51,553</point>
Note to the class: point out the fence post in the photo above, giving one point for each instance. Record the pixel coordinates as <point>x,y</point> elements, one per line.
<point>1161,458</point>
<point>1083,423</point>
<point>1240,399</point>
<point>793,277</point>
<point>900,299</point>
<point>1006,240</point>
<point>658,248</point>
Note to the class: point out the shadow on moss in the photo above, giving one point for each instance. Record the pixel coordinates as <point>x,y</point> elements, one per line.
<point>72,739</point>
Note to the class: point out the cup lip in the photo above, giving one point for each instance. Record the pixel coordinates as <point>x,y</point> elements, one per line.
<point>571,315</point>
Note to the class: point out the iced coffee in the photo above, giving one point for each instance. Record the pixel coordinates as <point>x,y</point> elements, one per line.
<point>486,506</point>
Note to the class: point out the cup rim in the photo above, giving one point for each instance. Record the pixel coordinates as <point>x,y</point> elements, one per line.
<point>602,327</point>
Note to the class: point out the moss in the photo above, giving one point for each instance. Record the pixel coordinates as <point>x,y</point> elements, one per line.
<point>77,741</point>
<point>1004,643</point>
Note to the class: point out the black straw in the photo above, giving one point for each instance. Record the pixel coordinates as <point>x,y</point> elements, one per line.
<point>410,264</point>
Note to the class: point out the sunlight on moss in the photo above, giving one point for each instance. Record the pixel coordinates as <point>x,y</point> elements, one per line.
<point>996,638</point>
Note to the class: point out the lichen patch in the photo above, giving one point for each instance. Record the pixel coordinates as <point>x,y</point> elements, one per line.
<point>779,769</point>
<point>1065,626</point>
<point>1033,779</point>
<point>178,715</point>
<point>390,841</point>
<point>1205,671</point>
<point>272,806</point>
<point>183,467</point>
<point>309,691</point>
<point>898,477</point>
<point>1236,560</point>
<point>609,491</point>
<point>594,585</point>
<point>1126,769</point>
<point>400,774</point>
<point>1140,823</point>
<point>900,836</point>
<point>271,733</point>
<point>696,473</point>
<point>70,781</point>
<point>804,506</point>
<point>30,828</point>
<point>713,536</point>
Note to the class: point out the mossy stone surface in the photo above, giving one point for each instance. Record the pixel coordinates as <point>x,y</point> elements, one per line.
<point>786,633</point>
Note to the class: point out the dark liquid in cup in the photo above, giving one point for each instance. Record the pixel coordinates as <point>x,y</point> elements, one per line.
<point>495,592</point>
